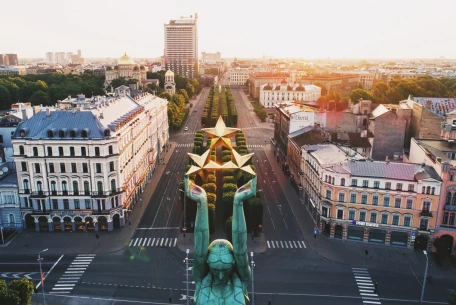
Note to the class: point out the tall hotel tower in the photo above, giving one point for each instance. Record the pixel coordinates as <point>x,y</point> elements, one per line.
<point>181,46</point>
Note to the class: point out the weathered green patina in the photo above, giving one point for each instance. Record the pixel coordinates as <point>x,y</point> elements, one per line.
<point>221,270</point>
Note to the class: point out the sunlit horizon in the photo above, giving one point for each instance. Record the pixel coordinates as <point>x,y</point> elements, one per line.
<point>351,29</point>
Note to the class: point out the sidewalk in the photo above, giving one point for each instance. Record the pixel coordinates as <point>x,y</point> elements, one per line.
<point>342,251</point>
<point>249,106</point>
<point>30,242</point>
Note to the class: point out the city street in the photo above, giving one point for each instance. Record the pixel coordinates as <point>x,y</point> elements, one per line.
<point>290,271</point>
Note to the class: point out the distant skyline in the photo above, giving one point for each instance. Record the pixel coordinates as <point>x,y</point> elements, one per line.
<point>243,29</point>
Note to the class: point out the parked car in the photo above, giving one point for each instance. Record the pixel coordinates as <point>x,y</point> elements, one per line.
<point>186,129</point>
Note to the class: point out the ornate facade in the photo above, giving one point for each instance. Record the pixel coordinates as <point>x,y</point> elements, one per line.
<point>270,95</point>
<point>83,170</point>
<point>126,68</point>
<point>170,85</point>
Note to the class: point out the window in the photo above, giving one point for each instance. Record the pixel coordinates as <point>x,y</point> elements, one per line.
<point>74,169</point>
<point>451,177</point>
<point>326,178</point>
<point>86,188</point>
<point>24,166</point>
<point>375,200</point>
<point>395,220</point>
<point>35,151</point>
<point>73,134</point>
<point>37,168</point>
<point>409,204</point>
<point>26,202</point>
<point>55,204</point>
<point>384,219</point>
<point>1,139</point>
<point>386,201</point>
<point>362,215</point>
<point>353,198</point>
<point>340,214</point>
<point>397,202</point>
<point>21,150</point>
<point>324,211</point>
<point>426,206</point>
<point>424,224</point>
<point>354,182</point>
<point>407,221</point>
<point>373,217</point>
<point>342,181</point>
<point>88,206</point>
<point>72,151</point>
<point>448,198</point>
<point>365,183</point>
<point>98,167</point>
<point>97,151</point>
<point>39,187</point>
<point>423,190</point>
<point>26,186</point>
<point>399,187</point>
<point>53,188</point>
<point>341,197</point>
<point>364,199</point>
<point>75,188</point>
<point>387,185</point>
<point>110,150</point>
<point>51,168</point>
<point>328,194</point>
<point>84,133</point>
<point>100,187</point>
<point>60,151</point>
<point>453,201</point>
<point>85,168</point>
<point>111,166</point>
<point>333,180</point>
<point>445,218</point>
<point>61,133</point>
<point>451,221</point>
<point>83,151</point>
<point>62,168</point>
<point>66,204</point>
<point>433,191</point>
<point>107,133</point>
<point>12,220</point>
<point>411,187</point>
<point>351,214</point>
<point>376,184</point>
<point>49,150</point>
<point>428,190</point>
<point>113,185</point>
<point>50,134</point>
<point>77,205</point>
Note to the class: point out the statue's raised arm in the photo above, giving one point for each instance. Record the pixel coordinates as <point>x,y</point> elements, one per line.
<point>201,231</point>
<point>239,230</point>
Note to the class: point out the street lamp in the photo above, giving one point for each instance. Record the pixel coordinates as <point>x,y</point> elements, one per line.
<point>186,271</point>
<point>253,293</point>
<point>41,274</point>
<point>425,276</point>
<point>185,212</point>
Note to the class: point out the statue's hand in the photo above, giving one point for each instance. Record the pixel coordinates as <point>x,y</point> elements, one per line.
<point>246,191</point>
<point>194,191</point>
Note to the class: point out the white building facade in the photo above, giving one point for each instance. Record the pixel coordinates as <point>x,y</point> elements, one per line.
<point>238,76</point>
<point>84,169</point>
<point>270,95</point>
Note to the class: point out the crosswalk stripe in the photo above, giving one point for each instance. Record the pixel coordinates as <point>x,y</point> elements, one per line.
<point>371,302</point>
<point>136,240</point>
<point>362,277</point>
<point>277,244</point>
<point>175,241</point>
<point>286,244</point>
<point>145,240</point>
<point>148,242</point>
<point>161,243</point>
<point>268,243</point>
<point>166,241</point>
<point>303,244</point>
<point>281,244</point>
<point>152,244</point>
<point>294,243</point>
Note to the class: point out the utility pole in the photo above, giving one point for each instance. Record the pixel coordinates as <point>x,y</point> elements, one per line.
<point>253,292</point>
<point>425,277</point>
<point>41,274</point>
<point>186,271</point>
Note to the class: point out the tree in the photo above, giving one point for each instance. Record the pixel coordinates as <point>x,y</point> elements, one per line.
<point>184,94</point>
<point>117,82</point>
<point>166,96</point>
<point>358,94</point>
<point>452,298</point>
<point>40,98</point>
<point>9,296</point>
<point>5,97</point>
<point>24,288</point>
<point>378,91</point>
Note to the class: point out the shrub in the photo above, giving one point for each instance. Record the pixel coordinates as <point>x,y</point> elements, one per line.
<point>226,153</point>
<point>226,159</point>
<point>211,198</point>
<point>209,187</point>
<point>228,179</point>
<point>211,179</point>
<point>229,187</point>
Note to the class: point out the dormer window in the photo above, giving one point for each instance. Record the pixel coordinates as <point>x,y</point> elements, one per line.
<point>50,134</point>
<point>73,134</point>
<point>61,134</point>
<point>22,133</point>
<point>107,133</point>
<point>84,133</point>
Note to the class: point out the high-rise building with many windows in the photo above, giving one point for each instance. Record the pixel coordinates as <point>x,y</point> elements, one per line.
<point>181,46</point>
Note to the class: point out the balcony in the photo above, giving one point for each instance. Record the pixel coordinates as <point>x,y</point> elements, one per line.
<point>301,173</point>
<point>24,191</point>
<point>426,213</point>
<point>449,207</point>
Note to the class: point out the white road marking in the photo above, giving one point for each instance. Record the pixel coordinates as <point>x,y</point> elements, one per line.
<point>303,244</point>
<point>136,240</point>
<point>268,243</point>
<point>148,241</point>
<point>166,241</point>
<point>294,243</point>
<point>152,244</point>
<point>50,270</point>
<point>362,277</point>
<point>281,244</point>
<point>175,241</point>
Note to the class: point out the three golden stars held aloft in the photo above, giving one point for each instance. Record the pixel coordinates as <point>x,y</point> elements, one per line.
<point>220,135</point>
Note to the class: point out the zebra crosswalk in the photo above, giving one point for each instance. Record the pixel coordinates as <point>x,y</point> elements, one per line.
<point>73,274</point>
<point>255,146</point>
<point>256,127</point>
<point>367,289</point>
<point>185,145</point>
<point>185,133</point>
<point>153,242</point>
<point>294,244</point>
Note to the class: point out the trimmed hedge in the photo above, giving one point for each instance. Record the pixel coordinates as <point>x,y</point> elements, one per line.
<point>210,187</point>
<point>229,187</point>
<point>211,198</point>
<point>228,179</point>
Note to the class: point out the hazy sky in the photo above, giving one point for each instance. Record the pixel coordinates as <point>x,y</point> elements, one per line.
<point>236,28</point>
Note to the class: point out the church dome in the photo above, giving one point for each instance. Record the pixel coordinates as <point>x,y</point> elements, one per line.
<point>300,88</point>
<point>267,87</point>
<point>136,68</point>
<point>169,73</point>
<point>125,60</point>
<point>108,68</point>
<point>142,68</point>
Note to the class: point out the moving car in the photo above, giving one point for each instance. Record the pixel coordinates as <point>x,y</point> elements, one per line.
<point>186,129</point>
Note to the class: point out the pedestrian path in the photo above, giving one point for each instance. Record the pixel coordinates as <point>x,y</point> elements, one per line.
<point>365,286</point>
<point>256,127</point>
<point>294,244</point>
<point>255,146</point>
<point>153,242</point>
<point>185,145</point>
<point>185,133</point>
<point>73,274</point>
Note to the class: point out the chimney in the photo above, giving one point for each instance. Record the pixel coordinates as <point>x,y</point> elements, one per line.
<point>386,159</point>
<point>24,114</point>
<point>48,112</point>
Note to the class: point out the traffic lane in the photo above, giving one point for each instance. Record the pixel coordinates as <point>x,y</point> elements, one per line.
<point>25,266</point>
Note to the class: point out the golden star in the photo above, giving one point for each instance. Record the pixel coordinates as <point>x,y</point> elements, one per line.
<point>220,134</point>
<point>203,164</point>
<point>239,163</point>
<point>201,160</point>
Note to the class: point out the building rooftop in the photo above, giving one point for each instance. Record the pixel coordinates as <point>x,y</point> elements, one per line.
<point>391,170</point>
